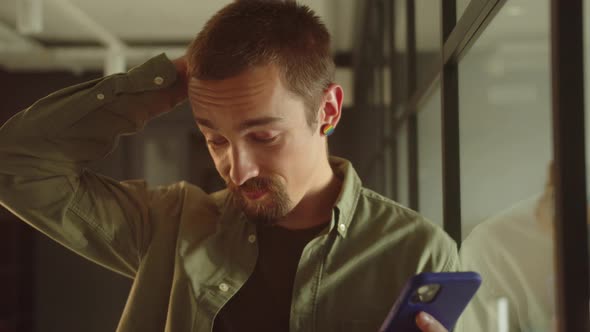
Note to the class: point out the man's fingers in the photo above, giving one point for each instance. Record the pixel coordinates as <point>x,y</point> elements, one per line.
<point>427,323</point>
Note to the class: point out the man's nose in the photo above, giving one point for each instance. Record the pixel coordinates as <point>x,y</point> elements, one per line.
<point>242,167</point>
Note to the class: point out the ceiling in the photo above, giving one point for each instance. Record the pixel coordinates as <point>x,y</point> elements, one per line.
<point>76,34</point>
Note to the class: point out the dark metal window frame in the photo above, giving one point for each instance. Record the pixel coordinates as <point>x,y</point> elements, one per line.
<point>571,242</point>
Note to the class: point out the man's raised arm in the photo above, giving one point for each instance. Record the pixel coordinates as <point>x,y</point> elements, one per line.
<point>45,148</point>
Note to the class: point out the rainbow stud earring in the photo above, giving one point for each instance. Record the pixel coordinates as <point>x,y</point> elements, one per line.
<point>327,129</point>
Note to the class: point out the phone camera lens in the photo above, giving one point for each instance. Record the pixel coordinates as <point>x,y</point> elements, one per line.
<point>426,293</point>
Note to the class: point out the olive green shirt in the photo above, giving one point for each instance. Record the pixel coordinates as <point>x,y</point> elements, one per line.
<point>187,251</point>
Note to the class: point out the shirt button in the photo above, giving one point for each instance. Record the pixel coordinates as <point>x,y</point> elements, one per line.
<point>158,80</point>
<point>223,287</point>
<point>342,227</point>
<point>100,96</point>
<point>252,238</point>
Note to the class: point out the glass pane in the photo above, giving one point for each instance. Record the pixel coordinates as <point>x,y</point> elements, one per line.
<point>461,6</point>
<point>430,158</point>
<point>400,91</point>
<point>403,193</point>
<point>586,6</point>
<point>400,94</point>
<point>428,38</point>
<point>587,81</point>
<point>506,190</point>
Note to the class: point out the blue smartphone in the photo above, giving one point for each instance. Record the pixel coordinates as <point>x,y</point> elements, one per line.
<point>443,295</point>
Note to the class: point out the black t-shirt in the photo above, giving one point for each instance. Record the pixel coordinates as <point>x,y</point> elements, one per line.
<point>264,302</point>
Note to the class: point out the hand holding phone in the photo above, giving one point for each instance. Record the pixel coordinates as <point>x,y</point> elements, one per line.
<point>443,295</point>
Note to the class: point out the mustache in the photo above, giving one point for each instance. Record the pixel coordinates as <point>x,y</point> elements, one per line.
<point>254,184</point>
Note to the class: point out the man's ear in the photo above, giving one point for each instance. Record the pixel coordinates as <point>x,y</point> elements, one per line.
<point>332,105</point>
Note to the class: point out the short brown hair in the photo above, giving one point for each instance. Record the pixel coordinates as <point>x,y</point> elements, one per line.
<point>246,34</point>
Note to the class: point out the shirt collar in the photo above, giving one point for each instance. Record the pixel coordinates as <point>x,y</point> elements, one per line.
<point>349,195</point>
<point>342,212</point>
<point>229,214</point>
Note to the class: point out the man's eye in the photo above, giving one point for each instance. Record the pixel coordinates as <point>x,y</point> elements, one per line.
<point>216,142</point>
<point>264,140</point>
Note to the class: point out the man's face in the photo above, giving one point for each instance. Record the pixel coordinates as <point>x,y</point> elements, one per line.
<point>259,139</point>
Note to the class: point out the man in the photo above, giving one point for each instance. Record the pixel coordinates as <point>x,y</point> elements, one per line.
<point>294,244</point>
<point>513,251</point>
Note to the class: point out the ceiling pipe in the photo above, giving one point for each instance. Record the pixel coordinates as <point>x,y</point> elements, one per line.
<point>84,58</point>
<point>29,16</point>
<point>17,41</point>
<point>22,53</point>
<point>114,61</point>
<point>102,34</point>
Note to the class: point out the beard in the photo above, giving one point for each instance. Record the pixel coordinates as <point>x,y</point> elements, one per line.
<point>266,210</point>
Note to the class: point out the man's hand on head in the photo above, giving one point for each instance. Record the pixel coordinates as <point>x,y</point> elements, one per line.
<point>180,87</point>
<point>175,94</point>
<point>181,66</point>
<point>427,323</point>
